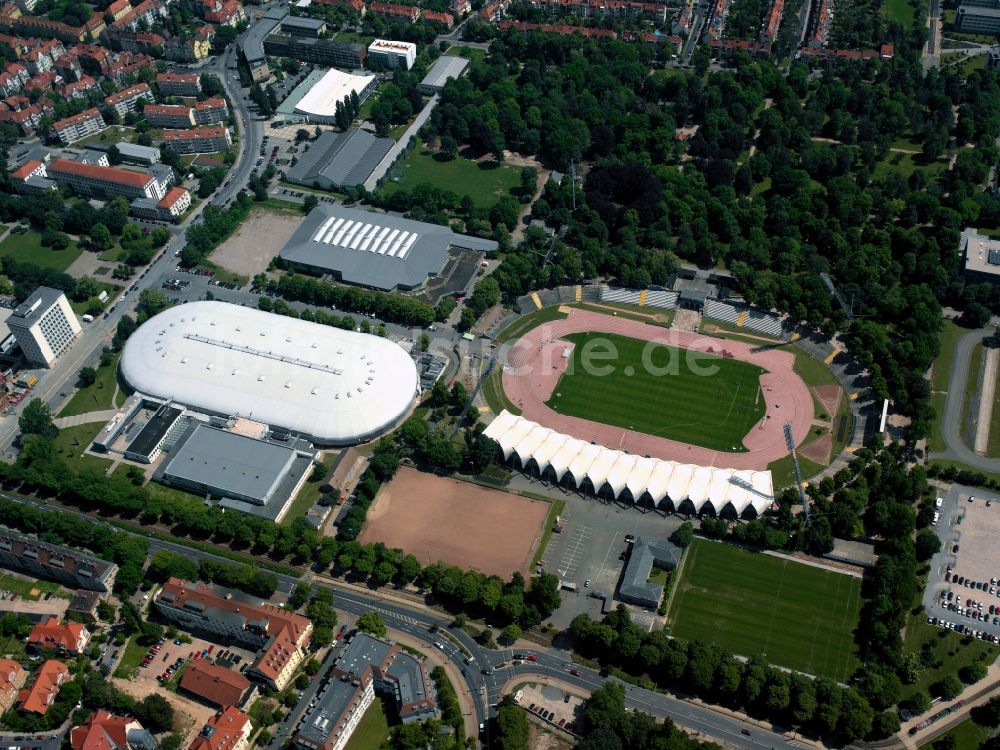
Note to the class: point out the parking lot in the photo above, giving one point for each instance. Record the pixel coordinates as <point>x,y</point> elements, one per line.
<point>963,590</point>
<point>592,545</point>
<point>551,704</point>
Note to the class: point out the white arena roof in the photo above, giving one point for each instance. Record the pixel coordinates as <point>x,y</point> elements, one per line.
<point>336,387</point>
<point>666,483</point>
<point>335,86</point>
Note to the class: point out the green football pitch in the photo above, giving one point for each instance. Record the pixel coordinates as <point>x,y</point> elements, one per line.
<point>692,397</point>
<point>796,615</point>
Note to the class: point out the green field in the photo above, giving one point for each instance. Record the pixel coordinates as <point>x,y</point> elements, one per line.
<point>24,587</point>
<point>96,397</point>
<point>27,248</point>
<point>711,410</point>
<point>532,320</point>
<point>795,615</point>
<point>372,731</point>
<point>485,182</point>
<point>968,736</point>
<point>906,165</point>
<point>900,11</point>
<point>71,442</point>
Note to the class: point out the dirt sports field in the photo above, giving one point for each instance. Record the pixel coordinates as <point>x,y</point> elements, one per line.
<point>462,524</point>
<point>258,239</point>
<point>535,364</point>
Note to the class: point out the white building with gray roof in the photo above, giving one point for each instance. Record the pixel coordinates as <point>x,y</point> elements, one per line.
<point>635,586</point>
<point>375,250</point>
<point>443,70</point>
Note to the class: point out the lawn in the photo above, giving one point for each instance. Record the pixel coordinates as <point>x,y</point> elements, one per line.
<point>968,736</point>
<point>308,495</point>
<point>495,396</point>
<point>81,307</point>
<point>993,443</point>
<point>721,397</point>
<point>948,339</point>
<point>906,165</point>
<point>71,442</point>
<point>532,320</point>
<point>485,182</point>
<point>556,509</point>
<point>783,473</point>
<point>131,655</point>
<point>372,731</point>
<point>797,616</point>
<point>27,248</point>
<point>946,651</point>
<point>113,134</point>
<point>96,397</point>
<point>972,390</point>
<point>23,587</point>
<point>900,11</point>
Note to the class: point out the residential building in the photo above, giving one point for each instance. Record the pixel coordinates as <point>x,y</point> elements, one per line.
<point>79,126</point>
<point>215,684</point>
<point>68,66</point>
<point>37,61</point>
<point>525,27</point>
<point>392,54</point>
<point>614,9</point>
<point>37,699</point>
<point>79,89</point>
<point>46,81</point>
<point>54,562</point>
<point>461,7</point>
<point>178,84</point>
<point>12,679</point>
<point>127,100</point>
<point>445,19</point>
<point>48,29</point>
<point>198,140</point>
<point>44,326</point>
<point>395,12</point>
<point>169,208</point>
<point>227,730</point>
<point>367,665</point>
<point>105,182</point>
<point>358,6</point>
<point>211,111</point>
<point>319,51</point>
<point>66,638</point>
<point>230,14</point>
<point>169,116</point>
<point>280,637</point>
<point>83,606</point>
<point>105,731</point>
<point>126,40</point>
<point>118,9</point>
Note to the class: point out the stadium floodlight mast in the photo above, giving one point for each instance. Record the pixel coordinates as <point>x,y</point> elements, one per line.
<point>790,442</point>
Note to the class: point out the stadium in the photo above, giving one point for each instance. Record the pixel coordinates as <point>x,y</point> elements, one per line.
<point>328,385</point>
<point>676,420</point>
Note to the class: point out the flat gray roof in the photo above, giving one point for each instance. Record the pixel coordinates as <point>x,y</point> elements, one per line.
<point>321,720</point>
<point>253,42</point>
<point>302,22</point>
<point>361,651</point>
<point>345,159</point>
<point>981,252</point>
<point>35,306</point>
<point>230,462</point>
<point>445,68</point>
<point>375,249</point>
<point>138,152</point>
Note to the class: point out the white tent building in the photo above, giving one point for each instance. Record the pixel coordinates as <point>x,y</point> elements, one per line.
<point>623,476</point>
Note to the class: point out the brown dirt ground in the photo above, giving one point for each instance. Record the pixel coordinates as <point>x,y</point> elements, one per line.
<point>257,240</point>
<point>819,449</point>
<point>189,716</point>
<point>540,739</point>
<point>434,518</point>
<point>829,396</point>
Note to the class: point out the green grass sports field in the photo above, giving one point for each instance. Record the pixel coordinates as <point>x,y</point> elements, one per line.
<point>714,411</point>
<point>797,616</point>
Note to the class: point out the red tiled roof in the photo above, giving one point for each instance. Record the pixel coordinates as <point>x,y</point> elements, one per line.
<point>215,103</point>
<point>12,676</point>
<point>433,15</point>
<point>25,169</point>
<point>194,134</point>
<point>167,109</point>
<point>173,195</point>
<point>116,6</point>
<point>101,731</point>
<point>52,633</point>
<point>190,78</point>
<point>46,686</point>
<point>108,174</point>
<point>131,91</point>
<point>215,684</point>
<point>226,730</point>
<point>87,114</point>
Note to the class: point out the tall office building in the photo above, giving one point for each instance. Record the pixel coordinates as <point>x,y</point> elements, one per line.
<point>44,325</point>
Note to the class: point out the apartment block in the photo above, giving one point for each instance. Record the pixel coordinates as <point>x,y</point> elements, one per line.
<point>198,140</point>
<point>43,691</point>
<point>105,182</point>
<point>178,84</point>
<point>227,730</point>
<point>280,637</point>
<point>169,116</point>
<point>79,126</point>
<point>44,326</point>
<point>56,563</point>
<point>12,679</point>
<point>127,100</point>
<point>211,111</point>
<point>65,637</point>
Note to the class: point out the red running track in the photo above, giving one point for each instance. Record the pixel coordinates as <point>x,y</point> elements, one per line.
<point>535,364</point>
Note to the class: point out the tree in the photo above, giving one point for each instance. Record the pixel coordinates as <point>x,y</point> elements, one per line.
<point>511,724</point>
<point>927,544</point>
<point>36,419</point>
<point>301,135</point>
<point>100,237</point>
<point>155,713</point>
<point>972,673</point>
<point>947,688</point>
<point>510,634</point>
<point>683,535</point>
<point>299,595</point>
<point>309,203</point>
<point>114,155</point>
<point>87,376</point>
<point>371,622</point>
<point>467,320</point>
<point>302,681</point>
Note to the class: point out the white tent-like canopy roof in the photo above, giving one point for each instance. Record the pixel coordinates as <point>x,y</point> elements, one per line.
<point>615,471</point>
<point>336,387</point>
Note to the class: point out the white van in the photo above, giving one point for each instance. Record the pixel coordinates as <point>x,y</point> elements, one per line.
<point>88,318</point>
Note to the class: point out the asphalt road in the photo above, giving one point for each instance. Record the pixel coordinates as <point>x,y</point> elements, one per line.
<point>951,422</point>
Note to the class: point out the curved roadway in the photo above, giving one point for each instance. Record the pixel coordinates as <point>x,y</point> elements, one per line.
<point>485,690</point>
<point>951,420</point>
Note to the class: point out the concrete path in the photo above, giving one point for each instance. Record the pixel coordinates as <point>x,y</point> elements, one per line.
<point>90,416</point>
<point>394,153</point>
<point>986,393</point>
<point>951,421</point>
